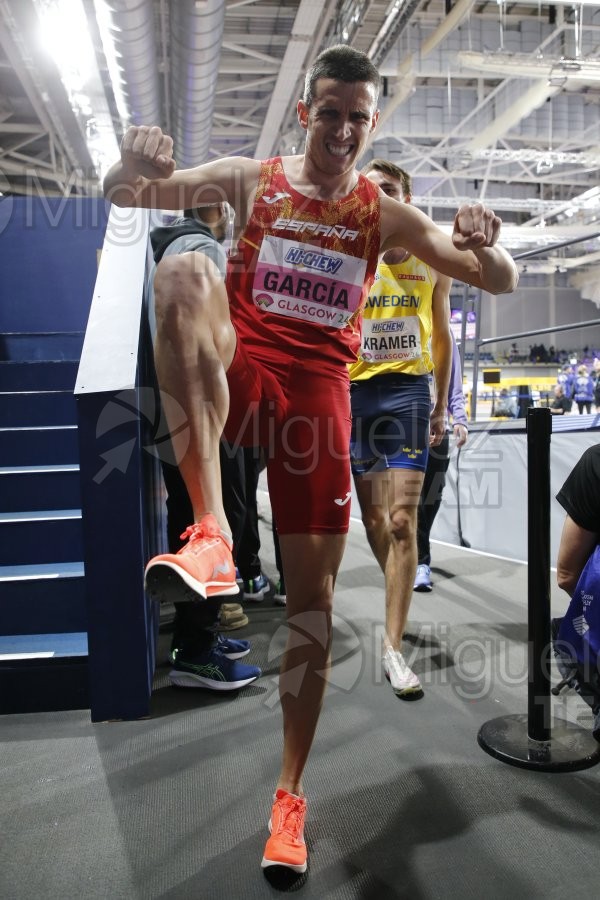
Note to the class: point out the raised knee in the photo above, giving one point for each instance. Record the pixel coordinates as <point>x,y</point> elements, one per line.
<point>186,280</point>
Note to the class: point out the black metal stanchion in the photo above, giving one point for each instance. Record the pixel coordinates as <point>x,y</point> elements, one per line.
<point>530,741</point>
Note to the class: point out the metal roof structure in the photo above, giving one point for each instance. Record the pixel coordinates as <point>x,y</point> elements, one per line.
<point>485,100</point>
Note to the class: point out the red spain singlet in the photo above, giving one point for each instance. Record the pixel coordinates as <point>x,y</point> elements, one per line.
<point>296,286</point>
<point>302,270</point>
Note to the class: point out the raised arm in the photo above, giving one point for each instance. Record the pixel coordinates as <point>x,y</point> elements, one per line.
<point>471,255</point>
<point>147,176</point>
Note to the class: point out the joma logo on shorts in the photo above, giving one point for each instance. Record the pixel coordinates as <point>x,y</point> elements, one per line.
<point>297,227</point>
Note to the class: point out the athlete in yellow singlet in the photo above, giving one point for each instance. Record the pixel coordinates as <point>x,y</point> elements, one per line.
<point>405,335</point>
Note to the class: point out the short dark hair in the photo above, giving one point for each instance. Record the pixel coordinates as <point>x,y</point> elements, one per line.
<point>392,171</point>
<point>196,212</point>
<point>341,63</point>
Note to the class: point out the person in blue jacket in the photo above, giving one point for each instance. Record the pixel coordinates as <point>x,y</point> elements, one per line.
<point>583,391</point>
<point>566,379</point>
<point>435,473</point>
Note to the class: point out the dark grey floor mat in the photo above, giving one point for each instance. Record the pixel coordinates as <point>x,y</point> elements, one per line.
<point>402,801</point>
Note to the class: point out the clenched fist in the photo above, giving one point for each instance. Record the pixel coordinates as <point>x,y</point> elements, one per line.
<point>147,151</point>
<point>475,227</point>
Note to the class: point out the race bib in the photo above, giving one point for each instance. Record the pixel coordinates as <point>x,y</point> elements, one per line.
<point>390,340</point>
<point>302,281</point>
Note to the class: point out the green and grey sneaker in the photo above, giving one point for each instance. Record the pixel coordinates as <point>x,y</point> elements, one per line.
<point>213,670</point>
<point>229,647</point>
<point>255,589</point>
<point>280,597</point>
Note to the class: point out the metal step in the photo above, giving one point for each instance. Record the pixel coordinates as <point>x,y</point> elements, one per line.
<point>24,488</point>
<point>41,345</point>
<point>43,598</point>
<point>26,408</point>
<point>39,445</point>
<point>38,375</point>
<point>43,672</point>
<point>40,536</point>
<point>43,646</point>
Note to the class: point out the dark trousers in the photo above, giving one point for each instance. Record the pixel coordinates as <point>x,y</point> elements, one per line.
<point>277,548</point>
<point>247,548</point>
<point>247,551</point>
<point>431,496</point>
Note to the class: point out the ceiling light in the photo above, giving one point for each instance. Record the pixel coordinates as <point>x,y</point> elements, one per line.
<point>105,25</point>
<point>389,22</point>
<point>65,36</point>
<point>544,165</point>
<point>522,65</point>
<point>589,160</point>
<point>565,2</point>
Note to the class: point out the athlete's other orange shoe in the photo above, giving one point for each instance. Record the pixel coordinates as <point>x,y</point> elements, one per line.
<point>202,568</point>
<point>286,845</point>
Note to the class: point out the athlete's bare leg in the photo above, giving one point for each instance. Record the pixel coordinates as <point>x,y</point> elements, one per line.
<point>389,503</point>
<point>310,563</point>
<point>194,346</point>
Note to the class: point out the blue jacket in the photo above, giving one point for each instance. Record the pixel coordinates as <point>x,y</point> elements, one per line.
<point>567,380</point>
<point>584,389</point>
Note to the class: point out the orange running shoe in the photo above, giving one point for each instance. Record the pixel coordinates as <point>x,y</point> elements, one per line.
<point>286,845</point>
<point>202,568</point>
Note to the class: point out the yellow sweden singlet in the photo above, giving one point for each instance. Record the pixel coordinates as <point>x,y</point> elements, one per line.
<point>396,322</point>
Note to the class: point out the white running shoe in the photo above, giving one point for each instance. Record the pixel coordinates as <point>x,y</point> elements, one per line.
<point>403,680</point>
<point>423,578</point>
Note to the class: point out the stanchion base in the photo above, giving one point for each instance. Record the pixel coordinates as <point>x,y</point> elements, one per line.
<point>570,747</point>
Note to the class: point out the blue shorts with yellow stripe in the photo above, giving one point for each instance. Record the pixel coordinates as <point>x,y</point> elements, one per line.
<point>390,423</point>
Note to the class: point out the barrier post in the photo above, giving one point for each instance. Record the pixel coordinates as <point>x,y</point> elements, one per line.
<point>539,429</point>
<point>530,741</point>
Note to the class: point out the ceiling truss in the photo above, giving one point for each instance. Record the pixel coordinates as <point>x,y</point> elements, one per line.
<point>481,100</point>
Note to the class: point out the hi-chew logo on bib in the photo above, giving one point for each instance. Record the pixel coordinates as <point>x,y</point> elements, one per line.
<point>390,340</point>
<point>305,282</point>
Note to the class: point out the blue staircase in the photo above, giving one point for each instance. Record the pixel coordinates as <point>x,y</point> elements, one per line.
<point>81,497</point>
<point>49,254</point>
<point>43,628</point>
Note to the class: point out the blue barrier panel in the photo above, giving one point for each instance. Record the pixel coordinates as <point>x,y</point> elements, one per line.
<point>117,478</point>
<point>49,249</point>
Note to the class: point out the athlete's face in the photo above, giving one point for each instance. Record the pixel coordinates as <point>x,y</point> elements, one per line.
<point>338,123</point>
<point>389,185</point>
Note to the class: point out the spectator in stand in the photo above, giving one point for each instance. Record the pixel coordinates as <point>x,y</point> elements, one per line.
<point>566,379</point>
<point>596,380</point>
<point>561,404</point>
<point>506,405</point>
<point>583,392</point>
